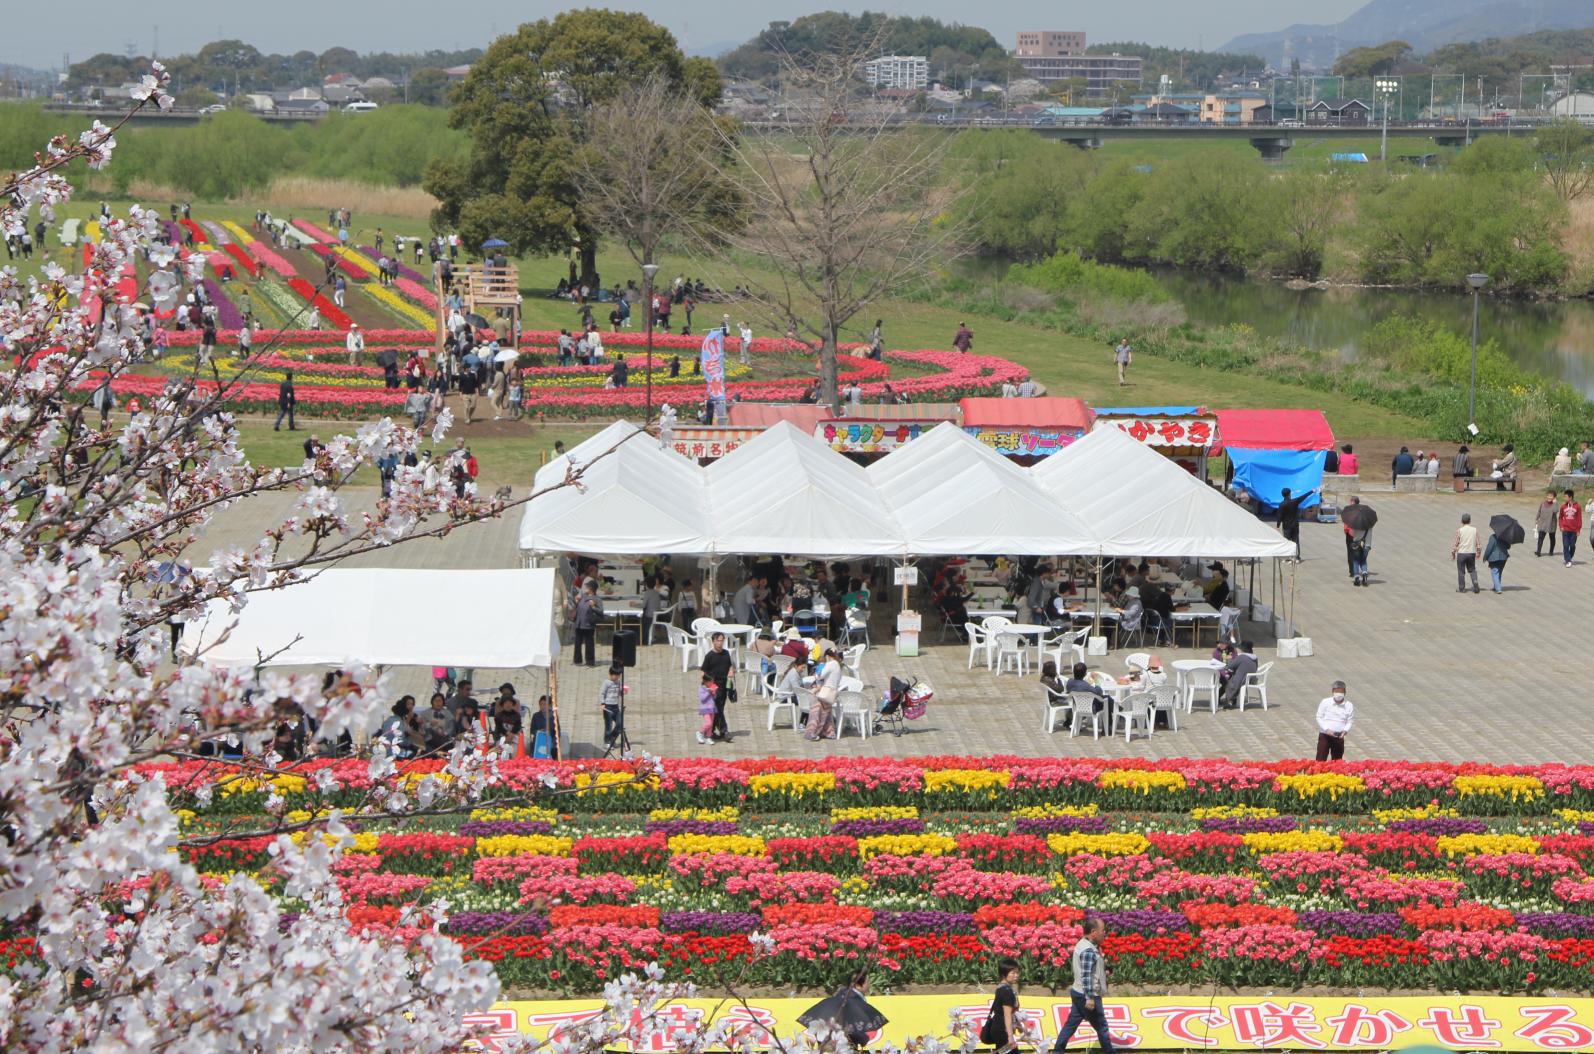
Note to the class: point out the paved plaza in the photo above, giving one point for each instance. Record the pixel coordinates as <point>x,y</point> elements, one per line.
<point>1435,675</point>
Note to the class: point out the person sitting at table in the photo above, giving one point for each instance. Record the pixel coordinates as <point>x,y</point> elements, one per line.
<point>1133,610</point>
<point>764,645</point>
<point>1240,666</point>
<point>1217,588</point>
<point>1049,679</point>
<point>1155,676</point>
<point>794,645</point>
<point>1158,603</point>
<point>1077,683</point>
<point>857,596</point>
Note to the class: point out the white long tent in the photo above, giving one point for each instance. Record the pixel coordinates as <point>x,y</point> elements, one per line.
<point>346,616</point>
<point>944,494</point>
<point>1138,503</point>
<point>953,494</point>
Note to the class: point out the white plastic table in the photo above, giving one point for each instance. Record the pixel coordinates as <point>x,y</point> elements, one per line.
<point>1025,629</point>
<point>1196,615</point>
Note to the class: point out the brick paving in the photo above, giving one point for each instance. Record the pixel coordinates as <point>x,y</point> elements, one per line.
<point>1435,675</point>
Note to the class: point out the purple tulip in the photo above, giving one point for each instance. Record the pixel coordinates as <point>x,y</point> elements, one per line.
<point>514,923</point>
<point>670,828</point>
<point>924,922</point>
<point>494,828</point>
<point>1441,825</point>
<point>709,923</point>
<point>227,315</point>
<point>1557,924</point>
<point>1059,824</point>
<point>871,828</point>
<point>1586,826</point>
<point>1249,824</point>
<point>1149,922</point>
<point>1352,923</point>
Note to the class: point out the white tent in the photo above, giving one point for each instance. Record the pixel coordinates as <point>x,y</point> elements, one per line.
<point>953,495</point>
<point>1141,504</point>
<point>785,491</point>
<point>495,619</point>
<point>636,498</point>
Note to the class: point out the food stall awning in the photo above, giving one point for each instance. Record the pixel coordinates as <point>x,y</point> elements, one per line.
<point>1047,411</point>
<point>1275,429</point>
<point>762,415</point>
<point>707,442</point>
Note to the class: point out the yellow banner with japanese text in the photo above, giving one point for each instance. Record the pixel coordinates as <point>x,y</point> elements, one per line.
<point>1223,1023</point>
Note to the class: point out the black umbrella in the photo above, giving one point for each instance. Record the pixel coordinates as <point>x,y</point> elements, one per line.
<point>1508,530</point>
<point>387,358</point>
<point>846,1010</point>
<point>479,321</point>
<point>1358,517</point>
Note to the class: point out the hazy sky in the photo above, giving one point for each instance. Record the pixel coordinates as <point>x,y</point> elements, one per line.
<point>83,27</point>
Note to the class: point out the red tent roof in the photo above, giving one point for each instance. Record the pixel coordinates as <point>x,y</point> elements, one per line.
<point>762,415</point>
<point>1274,429</point>
<point>1047,411</point>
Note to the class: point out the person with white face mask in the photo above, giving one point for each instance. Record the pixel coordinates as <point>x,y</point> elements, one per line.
<point>1334,718</point>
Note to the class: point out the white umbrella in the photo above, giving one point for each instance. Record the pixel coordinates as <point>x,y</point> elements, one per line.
<point>506,355</point>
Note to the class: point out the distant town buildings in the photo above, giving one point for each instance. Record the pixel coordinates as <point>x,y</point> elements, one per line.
<point>898,71</point>
<point>1051,55</point>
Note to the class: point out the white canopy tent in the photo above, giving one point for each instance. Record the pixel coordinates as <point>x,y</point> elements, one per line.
<point>1141,504</point>
<point>952,496</point>
<point>347,616</point>
<point>636,499</point>
<point>787,492</point>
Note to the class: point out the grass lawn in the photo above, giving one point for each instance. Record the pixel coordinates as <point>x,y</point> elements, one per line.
<point>1066,365</point>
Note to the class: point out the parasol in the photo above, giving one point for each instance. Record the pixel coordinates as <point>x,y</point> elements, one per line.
<point>495,243</point>
<point>1508,530</point>
<point>388,358</point>
<point>506,355</point>
<point>1358,517</point>
<point>479,321</point>
<point>847,1010</point>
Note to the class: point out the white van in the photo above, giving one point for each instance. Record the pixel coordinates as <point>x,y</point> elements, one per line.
<point>360,107</point>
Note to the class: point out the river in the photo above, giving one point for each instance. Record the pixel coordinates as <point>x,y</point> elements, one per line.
<point>1555,339</point>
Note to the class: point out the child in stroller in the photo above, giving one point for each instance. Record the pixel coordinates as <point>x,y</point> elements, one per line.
<point>904,701</point>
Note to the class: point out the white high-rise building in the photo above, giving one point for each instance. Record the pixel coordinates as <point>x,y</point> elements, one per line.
<point>898,71</point>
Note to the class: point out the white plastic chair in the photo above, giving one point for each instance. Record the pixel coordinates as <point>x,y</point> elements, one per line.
<point>780,702</point>
<point>1074,642</point>
<point>752,665</point>
<point>995,623</point>
<point>1200,679</point>
<point>1058,705</point>
<point>682,642</point>
<point>979,641</point>
<point>1135,710</point>
<point>1011,651</point>
<point>852,657</point>
<point>661,620</point>
<point>1165,699</point>
<point>1256,682</point>
<point>1140,659</point>
<point>854,706</point>
<point>858,623</point>
<point>1084,711</point>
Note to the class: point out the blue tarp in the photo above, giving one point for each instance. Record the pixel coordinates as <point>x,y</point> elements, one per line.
<point>1266,473</point>
<point>1148,411</point>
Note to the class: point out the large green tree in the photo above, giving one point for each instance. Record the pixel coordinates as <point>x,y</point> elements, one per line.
<point>524,106</point>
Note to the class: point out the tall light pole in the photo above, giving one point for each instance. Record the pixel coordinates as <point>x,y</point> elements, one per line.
<point>1386,87</point>
<point>1477,282</point>
<point>648,271</point>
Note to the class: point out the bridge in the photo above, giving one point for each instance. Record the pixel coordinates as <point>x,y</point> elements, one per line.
<point>115,110</point>
<point>1270,140</point>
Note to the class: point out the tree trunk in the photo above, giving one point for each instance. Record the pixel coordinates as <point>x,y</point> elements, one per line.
<point>828,393</point>
<point>589,262</point>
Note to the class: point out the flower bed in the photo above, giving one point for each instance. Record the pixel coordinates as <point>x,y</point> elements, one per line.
<point>929,868</point>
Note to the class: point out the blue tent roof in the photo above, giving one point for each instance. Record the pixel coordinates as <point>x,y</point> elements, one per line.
<point>1148,411</point>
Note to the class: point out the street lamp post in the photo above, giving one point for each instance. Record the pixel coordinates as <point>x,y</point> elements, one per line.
<point>648,271</point>
<point>1386,88</point>
<point>1477,282</point>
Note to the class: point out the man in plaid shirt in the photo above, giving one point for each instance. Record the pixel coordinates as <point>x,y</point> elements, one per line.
<point>1089,987</point>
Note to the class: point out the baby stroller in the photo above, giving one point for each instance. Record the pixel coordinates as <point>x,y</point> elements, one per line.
<point>905,701</point>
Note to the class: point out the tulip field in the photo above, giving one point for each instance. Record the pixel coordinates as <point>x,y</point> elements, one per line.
<point>1234,874</point>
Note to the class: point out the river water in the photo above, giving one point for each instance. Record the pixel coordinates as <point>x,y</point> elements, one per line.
<point>1555,339</point>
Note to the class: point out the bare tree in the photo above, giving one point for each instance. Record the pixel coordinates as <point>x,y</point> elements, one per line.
<point>1566,150</point>
<point>643,172</point>
<point>843,206</point>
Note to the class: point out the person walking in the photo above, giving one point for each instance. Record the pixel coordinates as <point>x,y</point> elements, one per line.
<point>719,667</point>
<point>1544,523</point>
<point>1290,518</point>
<point>1002,1023</point>
<point>587,615</point>
<point>286,399</point>
<point>611,699</point>
<point>746,333</point>
<point>1089,987</point>
<point>963,339</point>
<point>706,691</point>
<point>1570,520</point>
<point>1464,550</point>
<point>1350,544</point>
<point>1122,355</point>
<point>1335,715</point>
<point>1495,553</point>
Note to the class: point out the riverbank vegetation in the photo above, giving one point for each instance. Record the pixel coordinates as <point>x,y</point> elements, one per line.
<point>1496,207</point>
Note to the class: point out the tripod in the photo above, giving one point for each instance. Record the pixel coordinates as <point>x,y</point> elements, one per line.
<point>621,741</point>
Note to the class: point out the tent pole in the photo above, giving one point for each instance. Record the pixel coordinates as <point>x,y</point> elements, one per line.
<point>1289,623</point>
<point>1095,630</point>
<point>553,706</point>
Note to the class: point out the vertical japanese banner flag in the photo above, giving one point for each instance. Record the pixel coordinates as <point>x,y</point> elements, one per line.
<point>713,360</point>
